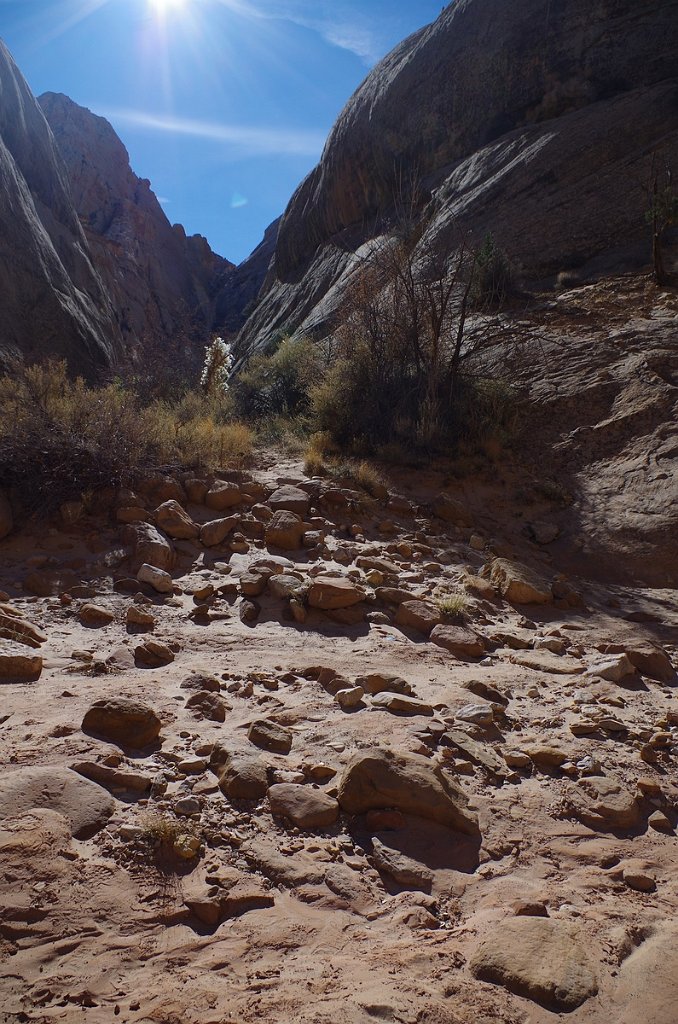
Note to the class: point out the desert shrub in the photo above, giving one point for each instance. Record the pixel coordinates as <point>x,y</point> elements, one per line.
<point>404,372</point>
<point>278,382</point>
<point>493,278</point>
<point>452,606</point>
<point>61,437</point>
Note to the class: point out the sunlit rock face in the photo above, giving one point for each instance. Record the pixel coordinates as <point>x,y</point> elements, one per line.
<point>91,270</point>
<point>161,282</point>
<point>52,299</point>
<point>534,121</point>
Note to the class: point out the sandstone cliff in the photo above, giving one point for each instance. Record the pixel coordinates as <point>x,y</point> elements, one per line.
<point>535,121</point>
<point>90,267</point>
<point>52,299</point>
<point>161,283</point>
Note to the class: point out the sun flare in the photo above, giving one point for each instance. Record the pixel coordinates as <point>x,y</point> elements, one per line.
<point>165,6</point>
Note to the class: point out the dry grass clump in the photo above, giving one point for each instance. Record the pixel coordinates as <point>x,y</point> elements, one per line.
<point>322,459</point>
<point>61,437</point>
<point>452,606</point>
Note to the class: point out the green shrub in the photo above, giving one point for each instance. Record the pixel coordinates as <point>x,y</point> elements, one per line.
<point>278,383</point>
<point>493,277</point>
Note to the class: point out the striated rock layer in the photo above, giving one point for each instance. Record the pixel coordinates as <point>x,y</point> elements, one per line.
<point>91,270</point>
<point>535,122</point>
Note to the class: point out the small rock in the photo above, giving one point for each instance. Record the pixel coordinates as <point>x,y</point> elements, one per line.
<point>249,611</point>
<point>285,531</point>
<point>306,807</point>
<point>139,618</point>
<point>477,714</point>
<point>418,615</point>
<point>17,665</point>
<point>95,615</point>
<point>517,583</point>
<point>403,870</point>
<point>329,593</point>
<point>215,532</point>
<point>459,641</point>
<point>153,654</point>
<point>291,499</point>
<point>349,698</point>
<point>205,704</point>
<point>242,775</point>
<point>270,736</point>
<point>659,822</point>
<point>638,877</point>
<point>160,580</point>
<point>613,669</point>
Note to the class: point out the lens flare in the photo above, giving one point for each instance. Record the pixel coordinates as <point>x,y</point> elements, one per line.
<point>166,6</point>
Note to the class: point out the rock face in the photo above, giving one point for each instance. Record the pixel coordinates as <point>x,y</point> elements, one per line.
<point>92,270</point>
<point>44,257</point>
<point>492,107</point>
<point>157,277</point>
<point>547,961</point>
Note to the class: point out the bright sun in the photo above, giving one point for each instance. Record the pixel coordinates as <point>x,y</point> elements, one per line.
<point>167,5</point>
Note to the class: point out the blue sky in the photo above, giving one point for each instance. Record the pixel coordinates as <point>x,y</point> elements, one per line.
<point>223,104</point>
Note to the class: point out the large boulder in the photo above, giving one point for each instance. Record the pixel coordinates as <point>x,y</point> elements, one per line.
<point>518,583</point>
<point>544,960</point>
<point>128,723</point>
<point>149,547</point>
<point>18,664</point>
<point>86,805</point>
<point>386,779</point>
<point>284,530</point>
<point>175,521</point>
<point>291,498</point>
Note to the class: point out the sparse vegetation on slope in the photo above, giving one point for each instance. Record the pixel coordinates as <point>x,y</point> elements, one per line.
<point>61,437</point>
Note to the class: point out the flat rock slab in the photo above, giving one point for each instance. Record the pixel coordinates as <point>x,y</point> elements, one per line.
<point>401,704</point>
<point>384,779</point>
<point>18,664</point>
<point>329,593</point>
<point>86,805</point>
<point>305,807</point>
<point>543,661</point>
<point>648,981</point>
<point>406,872</point>
<point>544,960</point>
<point>128,723</point>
